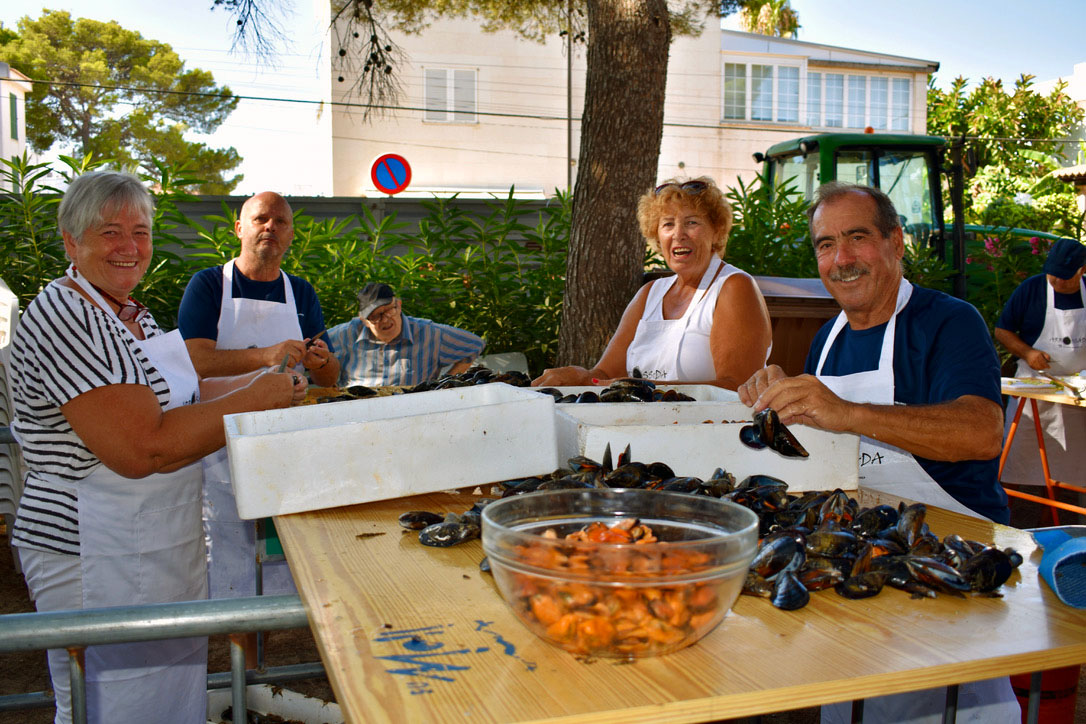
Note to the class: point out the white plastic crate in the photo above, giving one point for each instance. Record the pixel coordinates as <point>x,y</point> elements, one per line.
<point>342,453</point>
<point>696,438</point>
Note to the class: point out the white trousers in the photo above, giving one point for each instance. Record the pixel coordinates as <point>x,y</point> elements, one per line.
<point>56,584</point>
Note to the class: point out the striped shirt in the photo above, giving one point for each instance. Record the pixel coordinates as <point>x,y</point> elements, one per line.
<point>419,354</point>
<point>65,346</point>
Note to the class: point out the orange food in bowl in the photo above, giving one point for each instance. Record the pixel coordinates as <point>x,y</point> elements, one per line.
<point>602,582</point>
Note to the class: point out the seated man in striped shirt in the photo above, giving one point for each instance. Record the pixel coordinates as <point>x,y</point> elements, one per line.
<point>383,346</point>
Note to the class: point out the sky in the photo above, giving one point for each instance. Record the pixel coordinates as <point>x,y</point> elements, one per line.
<point>970,38</point>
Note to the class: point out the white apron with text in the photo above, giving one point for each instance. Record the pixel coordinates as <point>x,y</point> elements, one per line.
<point>231,541</point>
<point>657,349</point>
<point>890,469</point>
<point>140,543</point>
<point>1063,337</point>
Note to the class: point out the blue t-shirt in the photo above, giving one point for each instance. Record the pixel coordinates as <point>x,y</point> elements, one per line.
<point>198,317</point>
<point>1024,312</point>
<point>942,350</point>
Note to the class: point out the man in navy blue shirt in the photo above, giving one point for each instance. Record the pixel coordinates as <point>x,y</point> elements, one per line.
<point>911,370</point>
<point>915,374</point>
<point>243,316</point>
<point>248,313</point>
<point>1044,325</point>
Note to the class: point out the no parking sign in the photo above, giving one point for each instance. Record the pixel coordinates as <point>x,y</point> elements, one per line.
<point>391,173</point>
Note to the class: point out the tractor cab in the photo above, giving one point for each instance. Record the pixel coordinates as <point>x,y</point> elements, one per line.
<point>907,168</point>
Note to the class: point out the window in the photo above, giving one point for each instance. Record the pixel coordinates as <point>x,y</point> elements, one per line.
<point>899,105</point>
<point>761,92</point>
<point>847,100</point>
<point>14,115</point>
<point>449,95</point>
<point>857,100</point>
<point>788,94</point>
<point>735,91</point>
<point>814,99</point>
<point>835,100</point>
<point>878,103</point>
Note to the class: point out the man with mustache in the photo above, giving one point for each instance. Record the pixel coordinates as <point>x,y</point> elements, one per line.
<point>912,371</point>
<point>238,317</point>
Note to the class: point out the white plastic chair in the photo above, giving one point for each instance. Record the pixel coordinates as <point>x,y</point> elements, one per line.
<point>504,362</point>
<point>12,467</point>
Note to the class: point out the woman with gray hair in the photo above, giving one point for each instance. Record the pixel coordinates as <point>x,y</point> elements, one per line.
<point>111,416</point>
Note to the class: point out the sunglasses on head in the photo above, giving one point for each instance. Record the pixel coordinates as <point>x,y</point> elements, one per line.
<point>694,187</point>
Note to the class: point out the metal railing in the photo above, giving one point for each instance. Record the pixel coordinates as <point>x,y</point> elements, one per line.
<point>77,629</point>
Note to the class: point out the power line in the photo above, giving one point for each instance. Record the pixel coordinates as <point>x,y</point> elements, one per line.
<point>490,114</point>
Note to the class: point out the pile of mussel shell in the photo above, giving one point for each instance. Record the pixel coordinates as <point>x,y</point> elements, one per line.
<point>477,375</point>
<point>631,389</point>
<point>808,542</point>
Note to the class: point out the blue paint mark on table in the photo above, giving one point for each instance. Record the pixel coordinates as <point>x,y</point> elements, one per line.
<point>424,659</point>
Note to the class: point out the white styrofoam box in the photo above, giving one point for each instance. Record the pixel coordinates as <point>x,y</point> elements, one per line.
<point>696,439</point>
<point>701,393</point>
<point>342,453</point>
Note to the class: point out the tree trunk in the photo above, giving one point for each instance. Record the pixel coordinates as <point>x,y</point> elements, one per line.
<point>623,121</point>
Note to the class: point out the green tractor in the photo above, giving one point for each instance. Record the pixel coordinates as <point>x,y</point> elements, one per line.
<point>910,169</point>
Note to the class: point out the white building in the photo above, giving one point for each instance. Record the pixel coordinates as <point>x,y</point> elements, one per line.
<point>13,89</point>
<point>481,112</point>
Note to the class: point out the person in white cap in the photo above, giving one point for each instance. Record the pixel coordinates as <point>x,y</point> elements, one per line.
<point>1044,325</point>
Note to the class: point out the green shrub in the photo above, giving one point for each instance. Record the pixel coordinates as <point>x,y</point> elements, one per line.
<point>492,274</point>
<point>770,235</point>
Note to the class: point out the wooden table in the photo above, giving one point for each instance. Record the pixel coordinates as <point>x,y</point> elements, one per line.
<point>1047,393</point>
<point>410,633</point>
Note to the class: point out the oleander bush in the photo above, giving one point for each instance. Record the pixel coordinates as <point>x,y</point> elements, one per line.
<point>491,273</point>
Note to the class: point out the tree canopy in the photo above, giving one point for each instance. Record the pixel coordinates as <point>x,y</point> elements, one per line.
<point>769,17</point>
<point>111,93</point>
<point>1018,137</point>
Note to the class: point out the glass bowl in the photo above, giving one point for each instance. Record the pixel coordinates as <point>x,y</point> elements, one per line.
<point>619,599</point>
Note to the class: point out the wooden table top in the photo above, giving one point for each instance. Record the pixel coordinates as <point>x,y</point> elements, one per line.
<point>410,633</point>
<point>1044,390</point>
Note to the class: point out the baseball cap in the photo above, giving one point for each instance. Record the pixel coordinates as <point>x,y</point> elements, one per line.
<point>1065,258</point>
<point>372,296</point>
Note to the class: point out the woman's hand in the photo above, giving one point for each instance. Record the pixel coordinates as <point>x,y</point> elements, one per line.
<point>563,377</point>
<point>278,389</point>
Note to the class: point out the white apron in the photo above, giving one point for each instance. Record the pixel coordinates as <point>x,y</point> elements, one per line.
<point>678,349</point>
<point>1063,337</point>
<point>890,469</point>
<point>140,542</point>
<point>231,541</point>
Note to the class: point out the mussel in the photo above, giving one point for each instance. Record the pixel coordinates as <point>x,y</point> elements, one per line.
<point>768,431</point>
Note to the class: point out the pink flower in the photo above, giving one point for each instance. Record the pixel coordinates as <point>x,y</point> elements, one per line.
<point>1035,245</point>
<point>991,245</point>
